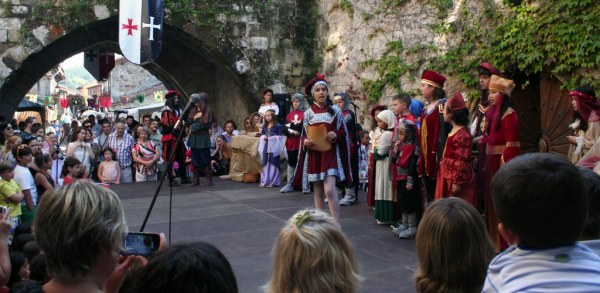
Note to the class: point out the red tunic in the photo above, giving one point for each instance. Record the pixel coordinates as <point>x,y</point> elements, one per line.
<point>456,168</point>
<point>428,141</point>
<point>294,118</point>
<point>502,146</point>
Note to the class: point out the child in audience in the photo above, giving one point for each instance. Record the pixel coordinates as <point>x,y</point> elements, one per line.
<point>109,171</point>
<point>312,254</point>
<point>272,142</point>
<point>404,156</point>
<point>453,248</point>
<point>363,163</point>
<point>71,170</point>
<point>591,231</point>
<point>11,195</point>
<point>541,204</point>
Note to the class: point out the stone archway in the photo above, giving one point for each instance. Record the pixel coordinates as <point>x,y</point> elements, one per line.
<point>185,64</point>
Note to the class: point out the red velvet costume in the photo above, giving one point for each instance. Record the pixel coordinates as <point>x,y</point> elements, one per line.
<point>502,146</point>
<point>455,168</point>
<point>428,141</point>
<point>294,118</point>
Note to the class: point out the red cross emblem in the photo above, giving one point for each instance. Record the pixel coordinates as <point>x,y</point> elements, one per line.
<point>129,27</point>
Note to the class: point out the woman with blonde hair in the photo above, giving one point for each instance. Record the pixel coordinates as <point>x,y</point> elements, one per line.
<point>80,229</point>
<point>313,255</point>
<point>453,248</point>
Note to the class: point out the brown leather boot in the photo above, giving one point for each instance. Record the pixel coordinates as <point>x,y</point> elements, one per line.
<point>196,178</point>
<point>208,174</point>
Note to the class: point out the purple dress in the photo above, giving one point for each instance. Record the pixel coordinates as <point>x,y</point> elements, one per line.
<point>271,145</point>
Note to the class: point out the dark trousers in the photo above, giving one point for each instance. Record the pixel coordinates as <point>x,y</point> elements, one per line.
<point>429,187</point>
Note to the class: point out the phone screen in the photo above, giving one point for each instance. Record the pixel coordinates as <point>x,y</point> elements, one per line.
<point>137,243</point>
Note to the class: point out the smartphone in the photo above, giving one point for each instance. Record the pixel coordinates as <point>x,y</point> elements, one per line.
<point>139,243</point>
<point>3,210</point>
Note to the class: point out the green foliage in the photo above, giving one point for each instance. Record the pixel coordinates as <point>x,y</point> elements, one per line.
<point>560,36</point>
<point>347,7</point>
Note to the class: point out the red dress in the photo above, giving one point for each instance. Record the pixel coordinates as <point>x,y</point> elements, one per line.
<point>502,146</point>
<point>456,168</point>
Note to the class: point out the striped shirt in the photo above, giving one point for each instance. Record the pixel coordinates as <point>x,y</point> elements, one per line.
<point>573,268</point>
<point>122,148</point>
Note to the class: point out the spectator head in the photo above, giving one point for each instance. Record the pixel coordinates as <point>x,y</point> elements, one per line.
<point>89,136</point>
<point>311,254</point>
<point>106,129</point>
<point>196,267</point>
<point>138,130</point>
<point>80,228</point>
<point>154,125</point>
<point>544,215</point>
<point>146,119</point>
<point>448,263</point>
<point>92,118</point>
<point>400,103</point>
<point>34,142</point>
<point>229,126</point>
<point>107,151</point>
<point>22,153</point>
<point>21,125</point>
<point>120,128</point>
<point>19,268</point>
<point>69,164</point>
<point>37,129</point>
<point>37,269</point>
<point>591,230</point>
<point>31,250</point>
<point>78,134</point>
<point>22,228</point>
<point>6,129</point>
<point>42,160</point>
<point>129,120</point>
<point>267,96</point>
<point>29,121</point>
<point>20,240</point>
<point>87,124</point>
<point>6,170</point>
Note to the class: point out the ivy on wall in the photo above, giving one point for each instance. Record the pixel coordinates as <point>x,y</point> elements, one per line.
<point>561,36</point>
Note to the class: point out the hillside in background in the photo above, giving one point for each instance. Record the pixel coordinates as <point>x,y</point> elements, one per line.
<point>76,77</point>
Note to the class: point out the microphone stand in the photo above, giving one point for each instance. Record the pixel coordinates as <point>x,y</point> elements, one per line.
<point>57,151</point>
<point>180,121</point>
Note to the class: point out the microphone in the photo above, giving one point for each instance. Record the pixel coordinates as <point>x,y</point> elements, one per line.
<point>355,106</point>
<point>194,98</point>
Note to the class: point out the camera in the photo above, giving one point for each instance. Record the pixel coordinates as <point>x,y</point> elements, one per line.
<point>139,243</point>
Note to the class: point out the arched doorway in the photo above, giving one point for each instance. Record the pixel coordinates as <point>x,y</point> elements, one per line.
<point>185,64</point>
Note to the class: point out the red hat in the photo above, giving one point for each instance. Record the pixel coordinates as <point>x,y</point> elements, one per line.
<point>487,66</point>
<point>309,86</point>
<point>433,78</point>
<point>171,93</point>
<point>457,102</point>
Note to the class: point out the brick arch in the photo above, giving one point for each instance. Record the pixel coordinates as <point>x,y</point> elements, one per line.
<point>185,64</point>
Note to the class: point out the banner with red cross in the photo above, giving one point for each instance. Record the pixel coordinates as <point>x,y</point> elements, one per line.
<point>140,29</point>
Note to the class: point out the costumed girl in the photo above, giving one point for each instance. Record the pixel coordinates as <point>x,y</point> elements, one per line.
<point>342,101</point>
<point>455,175</point>
<point>201,120</point>
<point>324,149</point>
<point>433,130</point>
<point>385,199</point>
<point>169,116</point>
<point>292,144</point>
<point>502,140</point>
<point>267,103</point>
<point>375,136</point>
<point>477,128</point>
<point>272,142</point>
<point>586,122</point>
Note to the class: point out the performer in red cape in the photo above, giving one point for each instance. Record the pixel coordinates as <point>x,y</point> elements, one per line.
<point>323,168</point>
<point>169,116</point>
<point>455,176</point>
<point>502,140</point>
<point>293,122</point>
